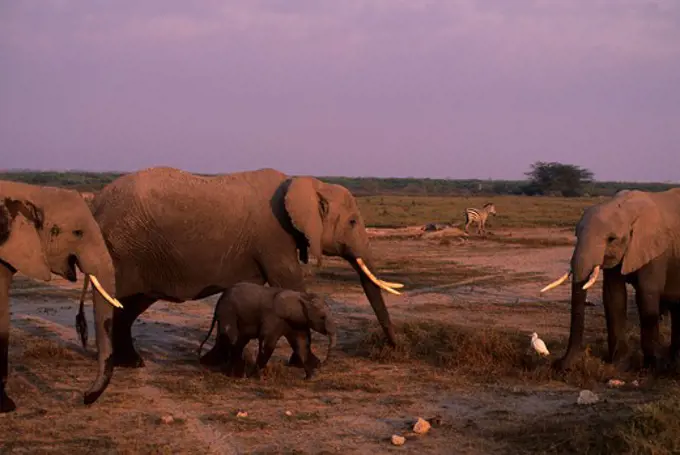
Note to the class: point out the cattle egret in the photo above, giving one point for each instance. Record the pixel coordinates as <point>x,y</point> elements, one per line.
<point>538,345</point>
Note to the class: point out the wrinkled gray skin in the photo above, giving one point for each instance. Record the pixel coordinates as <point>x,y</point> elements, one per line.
<point>46,230</point>
<point>177,236</point>
<point>635,238</point>
<point>250,311</point>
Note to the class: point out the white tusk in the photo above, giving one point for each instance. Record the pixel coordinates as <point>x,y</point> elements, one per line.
<point>372,277</point>
<point>392,285</point>
<point>105,294</point>
<point>557,282</point>
<point>593,277</point>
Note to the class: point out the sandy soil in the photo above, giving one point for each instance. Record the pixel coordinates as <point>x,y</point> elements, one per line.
<point>354,404</point>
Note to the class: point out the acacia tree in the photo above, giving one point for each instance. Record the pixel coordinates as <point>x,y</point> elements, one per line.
<point>557,178</point>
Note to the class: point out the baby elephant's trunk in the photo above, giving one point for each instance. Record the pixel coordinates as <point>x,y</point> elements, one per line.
<point>332,339</point>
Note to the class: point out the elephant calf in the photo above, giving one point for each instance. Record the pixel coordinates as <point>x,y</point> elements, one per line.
<point>247,311</point>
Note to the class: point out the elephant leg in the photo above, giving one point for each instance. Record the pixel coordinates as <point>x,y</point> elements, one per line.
<point>308,365</point>
<point>648,308</point>
<point>615,301</point>
<point>298,341</point>
<point>651,280</point>
<point>237,361</point>
<point>290,276</point>
<point>265,352</point>
<point>124,353</point>
<point>220,350</point>
<point>674,310</point>
<point>6,403</point>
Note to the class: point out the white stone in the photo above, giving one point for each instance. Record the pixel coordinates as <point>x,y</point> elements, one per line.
<point>398,440</point>
<point>422,426</point>
<point>587,397</point>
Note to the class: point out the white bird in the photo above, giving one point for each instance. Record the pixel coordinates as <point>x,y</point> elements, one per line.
<point>538,345</point>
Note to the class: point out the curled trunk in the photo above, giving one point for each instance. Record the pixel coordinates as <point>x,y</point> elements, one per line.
<point>97,263</point>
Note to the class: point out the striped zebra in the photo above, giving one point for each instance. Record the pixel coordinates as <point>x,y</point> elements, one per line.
<point>479,216</point>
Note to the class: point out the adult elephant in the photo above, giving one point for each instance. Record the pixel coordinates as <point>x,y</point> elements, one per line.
<point>46,230</point>
<point>178,236</point>
<point>634,238</point>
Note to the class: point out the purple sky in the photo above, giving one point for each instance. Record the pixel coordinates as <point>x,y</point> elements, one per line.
<point>440,88</point>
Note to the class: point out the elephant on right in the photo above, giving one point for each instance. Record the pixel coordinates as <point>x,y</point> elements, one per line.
<point>633,238</point>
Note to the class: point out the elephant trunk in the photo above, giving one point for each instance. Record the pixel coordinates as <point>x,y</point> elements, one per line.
<point>585,268</point>
<point>363,266</point>
<point>588,254</point>
<point>332,338</point>
<point>98,267</point>
<point>578,309</point>
<point>332,341</point>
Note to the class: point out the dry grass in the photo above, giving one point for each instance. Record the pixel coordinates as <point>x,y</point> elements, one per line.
<point>651,428</point>
<point>513,211</point>
<point>482,355</point>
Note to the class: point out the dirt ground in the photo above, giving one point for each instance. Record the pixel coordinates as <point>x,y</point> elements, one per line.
<point>485,286</point>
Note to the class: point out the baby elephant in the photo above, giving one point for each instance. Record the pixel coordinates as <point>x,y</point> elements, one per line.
<point>247,311</point>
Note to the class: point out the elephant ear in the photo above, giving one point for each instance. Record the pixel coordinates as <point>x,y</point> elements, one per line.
<point>21,247</point>
<point>648,239</point>
<point>288,305</point>
<point>306,208</point>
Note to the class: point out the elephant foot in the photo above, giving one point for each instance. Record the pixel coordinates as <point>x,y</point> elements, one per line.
<point>562,364</point>
<point>6,403</point>
<point>127,359</point>
<point>652,363</point>
<point>309,374</point>
<point>213,357</point>
<point>295,361</point>
<point>210,360</point>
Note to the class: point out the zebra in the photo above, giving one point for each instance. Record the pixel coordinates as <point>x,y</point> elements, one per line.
<point>479,216</point>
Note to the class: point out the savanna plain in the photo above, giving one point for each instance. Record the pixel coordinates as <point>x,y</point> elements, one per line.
<point>464,319</point>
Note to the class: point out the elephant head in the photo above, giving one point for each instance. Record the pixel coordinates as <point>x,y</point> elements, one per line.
<point>328,217</point>
<point>626,232</point>
<point>46,230</point>
<point>306,309</point>
<point>51,230</point>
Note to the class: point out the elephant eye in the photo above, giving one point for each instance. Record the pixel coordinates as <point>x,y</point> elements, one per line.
<point>55,230</point>
<point>611,238</point>
<point>78,233</point>
<point>352,222</point>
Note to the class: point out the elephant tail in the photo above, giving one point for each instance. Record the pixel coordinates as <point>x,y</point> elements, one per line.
<point>212,326</point>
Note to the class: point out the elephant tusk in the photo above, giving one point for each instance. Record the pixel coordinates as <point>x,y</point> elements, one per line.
<point>593,277</point>
<point>557,282</point>
<point>392,285</point>
<point>103,292</point>
<point>375,280</point>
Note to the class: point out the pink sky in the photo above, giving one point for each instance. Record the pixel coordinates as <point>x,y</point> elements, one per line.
<point>455,88</point>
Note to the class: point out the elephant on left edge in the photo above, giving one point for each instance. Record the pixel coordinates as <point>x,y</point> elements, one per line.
<point>45,230</point>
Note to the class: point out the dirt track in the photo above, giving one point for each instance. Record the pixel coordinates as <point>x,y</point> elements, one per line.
<point>353,406</point>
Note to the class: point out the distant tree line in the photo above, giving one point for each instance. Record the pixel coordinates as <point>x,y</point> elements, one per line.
<point>544,179</point>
